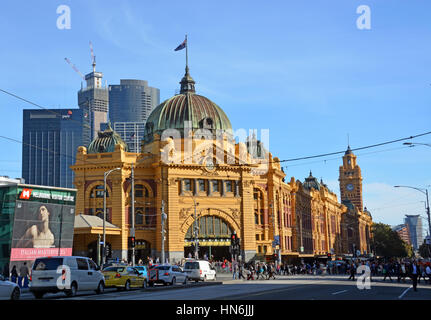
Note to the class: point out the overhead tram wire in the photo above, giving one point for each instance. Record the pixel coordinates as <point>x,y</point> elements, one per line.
<point>41,107</point>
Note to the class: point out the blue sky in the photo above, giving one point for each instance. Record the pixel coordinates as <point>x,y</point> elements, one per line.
<point>299,68</point>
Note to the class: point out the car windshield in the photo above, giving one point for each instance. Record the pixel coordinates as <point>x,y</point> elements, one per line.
<point>163,267</point>
<point>115,269</point>
<point>191,265</point>
<point>47,264</point>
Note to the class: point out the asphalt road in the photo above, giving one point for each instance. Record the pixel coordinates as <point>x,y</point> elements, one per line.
<point>283,288</point>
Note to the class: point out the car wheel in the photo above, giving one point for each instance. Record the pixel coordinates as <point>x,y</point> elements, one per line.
<point>127,285</point>
<point>173,281</point>
<point>15,294</point>
<point>100,288</point>
<point>72,291</point>
<point>38,295</point>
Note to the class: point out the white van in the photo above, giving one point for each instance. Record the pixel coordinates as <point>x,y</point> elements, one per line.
<point>199,270</point>
<point>67,274</point>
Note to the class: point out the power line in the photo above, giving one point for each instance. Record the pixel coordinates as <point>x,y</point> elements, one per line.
<point>41,107</point>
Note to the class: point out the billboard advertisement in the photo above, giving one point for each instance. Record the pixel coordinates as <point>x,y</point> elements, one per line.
<point>42,229</point>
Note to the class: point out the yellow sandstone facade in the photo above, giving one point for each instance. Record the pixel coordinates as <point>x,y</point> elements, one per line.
<point>191,168</point>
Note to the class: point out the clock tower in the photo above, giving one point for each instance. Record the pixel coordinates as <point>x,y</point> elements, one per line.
<point>351,180</point>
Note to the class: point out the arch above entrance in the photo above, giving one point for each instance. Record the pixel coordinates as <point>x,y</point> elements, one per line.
<point>233,224</point>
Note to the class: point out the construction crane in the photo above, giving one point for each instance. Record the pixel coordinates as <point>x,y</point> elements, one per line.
<point>93,57</point>
<point>75,68</point>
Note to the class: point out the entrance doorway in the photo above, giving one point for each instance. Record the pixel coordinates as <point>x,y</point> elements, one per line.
<point>213,234</point>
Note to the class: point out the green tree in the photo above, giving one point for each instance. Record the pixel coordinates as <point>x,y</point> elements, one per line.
<point>387,243</point>
<point>425,250</point>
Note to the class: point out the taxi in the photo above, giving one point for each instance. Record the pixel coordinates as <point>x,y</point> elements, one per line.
<point>124,277</point>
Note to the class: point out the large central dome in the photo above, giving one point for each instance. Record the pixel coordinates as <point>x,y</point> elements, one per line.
<point>186,110</point>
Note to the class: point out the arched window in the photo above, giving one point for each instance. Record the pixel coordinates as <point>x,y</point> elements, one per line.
<point>97,192</point>
<point>210,227</point>
<point>144,208</point>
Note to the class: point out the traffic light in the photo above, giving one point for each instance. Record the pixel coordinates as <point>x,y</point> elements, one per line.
<point>131,242</point>
<point>233,239</point>
<point>275,257</point>
<point>329,256</point>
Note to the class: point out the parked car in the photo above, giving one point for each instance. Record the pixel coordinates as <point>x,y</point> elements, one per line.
<point>66,274</point>
<point>199,270</point>
<point>142,270</point>
<point>123,277</point>
<point>167,274</point>
<point>9,290</point>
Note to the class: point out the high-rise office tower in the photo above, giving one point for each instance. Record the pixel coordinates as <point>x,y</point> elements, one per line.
<point>414,225</point>
<point>130,104</point>
<point>50,141</point>
<point>93,100</point>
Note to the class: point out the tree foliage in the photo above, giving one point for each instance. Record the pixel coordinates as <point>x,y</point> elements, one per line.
<point>425,250</point>
<point>387,243</point>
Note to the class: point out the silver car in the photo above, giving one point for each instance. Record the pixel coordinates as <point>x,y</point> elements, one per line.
<point>66,274</point>
<point>9,290</point>
<point>167,274</point>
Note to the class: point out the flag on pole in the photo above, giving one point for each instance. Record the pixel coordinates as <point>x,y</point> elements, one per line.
<point>182,45</point>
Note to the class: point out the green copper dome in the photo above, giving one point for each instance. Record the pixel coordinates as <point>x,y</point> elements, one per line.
<point>106,141</point>
<point>186,110</point>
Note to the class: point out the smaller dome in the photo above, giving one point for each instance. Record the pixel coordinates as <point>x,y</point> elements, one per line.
<point>311,182</point>
<point>368,213</point>
<point>106,141</point>
<point>348,151</point>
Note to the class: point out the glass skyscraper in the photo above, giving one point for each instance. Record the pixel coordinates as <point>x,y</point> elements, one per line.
<point>50,141</point>
<point>130,104</point>
<point>414,225</point>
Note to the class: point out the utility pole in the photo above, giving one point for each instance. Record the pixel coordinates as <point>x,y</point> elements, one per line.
<point>195,232</point>
<point>164,216</point>
<point>132,231</point>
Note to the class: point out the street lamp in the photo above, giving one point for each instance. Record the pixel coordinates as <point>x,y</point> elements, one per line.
<point>424,191</point>
<point>105,176</point>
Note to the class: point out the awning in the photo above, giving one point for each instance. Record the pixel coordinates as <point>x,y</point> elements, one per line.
<point>88,224</point>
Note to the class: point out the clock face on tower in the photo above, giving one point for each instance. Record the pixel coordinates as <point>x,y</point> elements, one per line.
<point>350,187</point>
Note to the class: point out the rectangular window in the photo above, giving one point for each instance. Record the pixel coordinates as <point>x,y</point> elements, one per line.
<point>229,186</point>
<point>215,186</point>
<point>201,184</point>
<point>187,185</point>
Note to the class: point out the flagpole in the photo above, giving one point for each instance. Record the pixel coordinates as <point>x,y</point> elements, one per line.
<point>187,57</point>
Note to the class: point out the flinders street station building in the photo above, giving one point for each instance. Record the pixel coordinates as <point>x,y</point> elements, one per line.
<point>191,170</point>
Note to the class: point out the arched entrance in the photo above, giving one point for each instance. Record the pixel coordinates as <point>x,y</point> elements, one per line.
<point>213,234</point>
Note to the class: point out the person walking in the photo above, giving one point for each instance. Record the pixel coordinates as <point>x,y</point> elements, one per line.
<point>234,270</point>
<point>240,271</point>
<point>387,272</point>
<point>6,271</point>
<point>352,271</point>
<point>14,275</point>
<point>24,275</point>
<point>414,273</point>
<point>428,272</point>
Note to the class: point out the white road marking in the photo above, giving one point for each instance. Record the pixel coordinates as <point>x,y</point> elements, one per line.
<point>338,292</point>
<point>405,291</point>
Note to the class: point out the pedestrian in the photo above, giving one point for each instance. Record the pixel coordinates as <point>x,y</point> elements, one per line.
<point>14,275</point>
<point>240,271</point>
<point>24,276</point>
<point>234,270</point>
<point>387,272</point>
<point>352,271</point>
<point>6,271</point>
<point>428,272</point>
<point>414,273</point>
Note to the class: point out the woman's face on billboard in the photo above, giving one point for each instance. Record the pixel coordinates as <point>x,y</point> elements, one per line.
<point>43,213</point>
